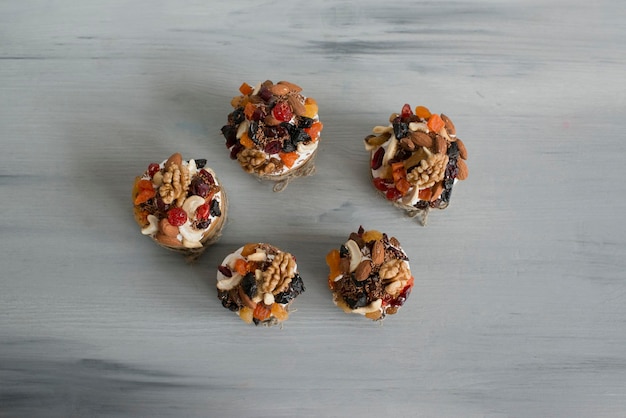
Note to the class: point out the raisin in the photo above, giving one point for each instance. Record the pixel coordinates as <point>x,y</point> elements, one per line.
<point>288,146</point>
<point>252,131</point>
<point>295,288</point>
<point>200,187</point>
<point>200,162</point>
<point>248,284</point>
<point>265,93</point>
<point>400,129</point>
<point>203,224</point>
<point>343,251</point>
<point>304,122</point>
<point>238,116</point>
<point>299,136</point>
<point>273,147</point>
<point>453,150</point>
<point>258,115</point>
<point>215,208</point>
<point>235,150</point>
<point>230,133</point>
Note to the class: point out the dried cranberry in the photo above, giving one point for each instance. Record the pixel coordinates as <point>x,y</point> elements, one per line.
<point>381,184</point>
<point>208,177</point>
<point>402,297</point>
<point>282,111</point>
<point>258,114</point>
<point>225,270</point>
<point>202,212</point>
<point>393,194</point>
<point>177,216</point>
<point>377,159</point>
<point>200,187</point>
<point>235,150</point>
<point>153,168</point>
<point>407,112</point>
<point>273,147</point>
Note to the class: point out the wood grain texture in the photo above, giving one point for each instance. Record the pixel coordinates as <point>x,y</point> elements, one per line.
<point>519,304</point>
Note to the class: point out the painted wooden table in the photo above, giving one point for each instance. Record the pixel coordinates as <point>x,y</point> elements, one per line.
<point>519,304</point>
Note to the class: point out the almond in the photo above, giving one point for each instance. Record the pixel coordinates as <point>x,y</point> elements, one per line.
<point>378,252</point>
<point>407,144</point>
<point>437,190</point>
<point>421,139</point>
<point>462,149</point>
<point>296,105</point>
<point>271,120</point>
<point>441,145</point>
<point>175,158</point>
<point>167,240</point>
<point>344,265</point>
<point>449,125</point>
<point>462,170</point>
<point>363,271</point>
<point>279,89</point>
<point>293,87</point>
<point>356,238</point>
<point>167,229</point>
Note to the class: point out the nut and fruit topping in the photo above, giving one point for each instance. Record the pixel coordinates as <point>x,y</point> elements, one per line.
<point>378,280</point>
<point>261,278</point>
<point>416,160</point>
<point>176,201</point>
<point>272,128</point>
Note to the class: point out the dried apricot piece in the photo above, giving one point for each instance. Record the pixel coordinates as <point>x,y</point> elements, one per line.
<point>279,312</point>
<point>403,186</point>
<point>332,259</point>
<point>311,107</point>
<point>425,194</point>
<point>372,235</point>
<point>246,88</point>
<point>422,112</point>
<point>245,314</point>
<point>241,266</point>
<point>246,141</point>
<point>288,158</point>
<point>261,312</point>
<point>248,249</point>
<point>249,110</point>
<point>314,130</point>
<point>143,196</point>
<point>435,123</point>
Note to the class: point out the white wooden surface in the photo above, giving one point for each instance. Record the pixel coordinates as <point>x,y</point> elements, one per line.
<point>519,307</point>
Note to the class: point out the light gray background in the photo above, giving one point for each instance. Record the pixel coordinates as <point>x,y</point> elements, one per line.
<point>519,304</point>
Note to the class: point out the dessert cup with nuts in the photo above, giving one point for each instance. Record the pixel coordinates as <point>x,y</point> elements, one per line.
<point>416,160</point>
<point>259,282</point>
<point>273,131</point>
<point>369,274</point>
<point>180,204</point>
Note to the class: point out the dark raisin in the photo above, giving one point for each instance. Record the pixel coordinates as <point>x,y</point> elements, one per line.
<point>343,251</point>
<point>304,122</point>
<point>288,146</point>
<point>289,128</point>
<point>203,224</point>
<point>200,162</point>
<point>453,150</point>
<point>252,132</point>
<point>358,301</point>
<point>215,208</point>
<point>273,147</point>
<point>248,284</point>
<point>361,230</point>
<point>258,115</point>
<point>400,129</point>
<point>256,321</point>
<point>299,135</point>
<point>230,133</point>
<point>422,204</point>
<point>295,288</point>
<point>225,270</point>
<point>199,187</point>
<point>265,93</point>
<point>238,116</point>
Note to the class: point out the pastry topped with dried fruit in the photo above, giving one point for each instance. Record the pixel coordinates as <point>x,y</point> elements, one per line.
<point>259,282</point>
<point>273,131</point>
<point>180,204</point>
<point>416,160</point>
<point>369,274</point>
